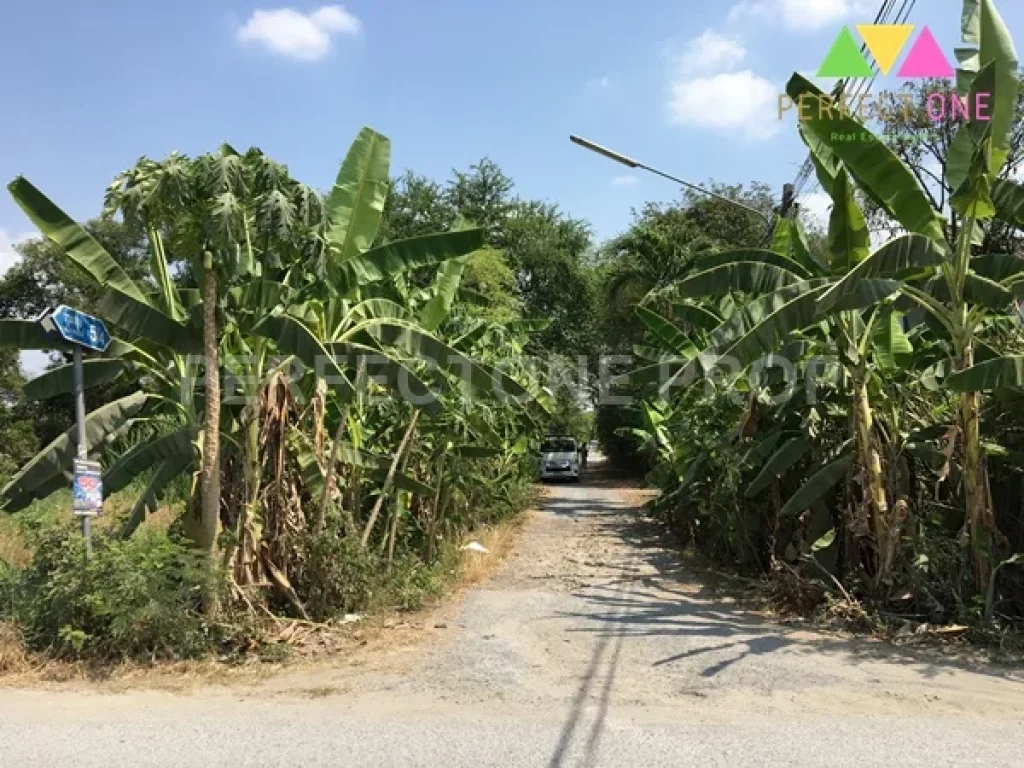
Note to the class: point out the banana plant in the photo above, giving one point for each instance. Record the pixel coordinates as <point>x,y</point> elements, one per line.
<point>164,325</point>
<point>958,291</point>
<point>782,288</point>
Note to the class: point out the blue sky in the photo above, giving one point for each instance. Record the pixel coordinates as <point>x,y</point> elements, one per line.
<point>684,85</point>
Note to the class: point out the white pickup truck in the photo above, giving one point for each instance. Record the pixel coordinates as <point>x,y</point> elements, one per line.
<point>560,458</point>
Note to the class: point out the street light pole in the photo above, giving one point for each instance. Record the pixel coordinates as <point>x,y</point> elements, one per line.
<point>611,154</point>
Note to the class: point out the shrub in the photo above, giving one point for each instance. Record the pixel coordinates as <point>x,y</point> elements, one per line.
<point>338,574</point>
<point>409,583</point>
<point>138,598</point>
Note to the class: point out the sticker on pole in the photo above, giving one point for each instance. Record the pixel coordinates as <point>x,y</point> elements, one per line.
<point>87,489</point>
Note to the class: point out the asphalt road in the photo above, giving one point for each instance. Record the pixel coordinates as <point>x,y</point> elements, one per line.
<point>588,647</point>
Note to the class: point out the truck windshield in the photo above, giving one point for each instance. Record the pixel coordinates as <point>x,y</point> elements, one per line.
<point>558,445</point>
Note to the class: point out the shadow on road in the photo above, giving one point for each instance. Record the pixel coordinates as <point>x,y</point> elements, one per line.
<point>674,601</point>
<point>643,590</point>
<point>572,724</point>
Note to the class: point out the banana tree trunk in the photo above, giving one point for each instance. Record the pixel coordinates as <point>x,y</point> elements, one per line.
<point>980,521</point>
<point>246,557</point>
<point>329,481</point>
<point>434,510</point>
<point>205,536</point>
<point>390,478</point>
<point>874,479</point>
<point>400,506</point>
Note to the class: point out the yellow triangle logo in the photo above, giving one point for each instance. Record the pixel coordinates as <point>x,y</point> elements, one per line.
<point>885,41</point>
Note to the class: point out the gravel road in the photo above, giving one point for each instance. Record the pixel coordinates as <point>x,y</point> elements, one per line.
<point>589,646</point>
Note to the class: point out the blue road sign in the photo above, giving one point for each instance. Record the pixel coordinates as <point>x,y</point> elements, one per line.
<point>78,328</point>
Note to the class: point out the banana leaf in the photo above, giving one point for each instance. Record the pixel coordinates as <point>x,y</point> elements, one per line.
<point>446,285</point>
<point>1000,373</point>
<point>849,242</point>
<point>996,47</point>
<point>754,256</point>
<point>371,308</point>
<point>878,171</point>
<point>664,331</point>
<point>417,343</point>
<point>176,445</point>
<point>61,380</point>
<point>754,277</point>
<point>391,372</point>
<point>356,203</point>
<point>823,481</point>
<point>891,347</point>
<point>789,454</point>
<point>293,337</point>
<point>701,318</point>
<point>54,460</point>
<point>166,472</point>
<point>392,259</point>
<point>139,319</point>
<point>901,254</point>
<point>1000,267</point>
<point>73,238</point>
<point>28,334</point>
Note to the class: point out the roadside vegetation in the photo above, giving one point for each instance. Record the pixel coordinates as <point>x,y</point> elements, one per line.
<point>876,463</point>
<point>309,401</point>
<point>312,399</point>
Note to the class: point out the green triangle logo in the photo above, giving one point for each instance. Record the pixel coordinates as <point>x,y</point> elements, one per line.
<point>845,58</point>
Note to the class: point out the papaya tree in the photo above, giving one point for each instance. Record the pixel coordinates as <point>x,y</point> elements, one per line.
<point>163,319</point>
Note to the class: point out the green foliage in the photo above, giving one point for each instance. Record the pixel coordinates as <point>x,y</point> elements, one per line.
<point>665,244</point>
<point>339,575</point>
<point>19,442</point>
<point>894,478</point>
<point>536,260</point>
<point>134,599</point>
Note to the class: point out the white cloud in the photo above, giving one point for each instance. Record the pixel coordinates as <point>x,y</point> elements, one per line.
<point>729,101</point>
<point>34,362</point>
<point>599,83</point>
<point>817,207</point>
<point>712,52</point>
<point>627,180</point>
<point>8,256</point>
<point>303,36</point>
<point>798,15</point>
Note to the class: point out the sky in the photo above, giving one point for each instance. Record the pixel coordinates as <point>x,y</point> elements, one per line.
<point>689,86</point>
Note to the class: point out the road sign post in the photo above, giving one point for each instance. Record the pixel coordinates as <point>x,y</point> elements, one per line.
<point>83,332</point>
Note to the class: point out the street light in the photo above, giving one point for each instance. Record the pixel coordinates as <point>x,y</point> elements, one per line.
<point>611,154</point>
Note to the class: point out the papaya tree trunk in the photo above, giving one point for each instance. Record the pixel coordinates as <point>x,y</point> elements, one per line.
<point>209,513</point>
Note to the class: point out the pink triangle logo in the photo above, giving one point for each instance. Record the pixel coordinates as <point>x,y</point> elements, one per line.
<point>926,59</point>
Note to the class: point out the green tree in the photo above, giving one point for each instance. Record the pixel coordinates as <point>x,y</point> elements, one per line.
<point>18,442</point>
<point>545,249</point>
